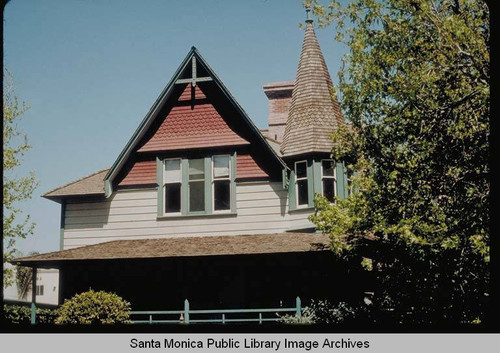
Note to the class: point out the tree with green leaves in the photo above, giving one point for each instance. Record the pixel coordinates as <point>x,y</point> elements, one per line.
<point>15,188</point>
<point>415,87</point>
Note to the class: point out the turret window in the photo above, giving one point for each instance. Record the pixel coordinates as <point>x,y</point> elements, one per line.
<point>328,180</point>
<point>301,183</point>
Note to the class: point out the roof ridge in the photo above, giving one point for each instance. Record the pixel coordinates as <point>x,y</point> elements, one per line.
<point>75,181</point>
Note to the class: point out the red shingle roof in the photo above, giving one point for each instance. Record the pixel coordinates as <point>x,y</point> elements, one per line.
<point>196,126</point>
<point>141,173</point>
<point>246,167</point>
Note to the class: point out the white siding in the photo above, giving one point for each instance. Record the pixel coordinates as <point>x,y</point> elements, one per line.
<point>49,278</point>
<point>261,208</point>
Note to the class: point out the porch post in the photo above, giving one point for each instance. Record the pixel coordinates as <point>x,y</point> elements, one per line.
<point>33,296</point>
<point>186,311</point>
<point>299,307</point>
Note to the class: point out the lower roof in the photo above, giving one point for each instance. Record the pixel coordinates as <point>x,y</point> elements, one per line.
<point>185,247</point>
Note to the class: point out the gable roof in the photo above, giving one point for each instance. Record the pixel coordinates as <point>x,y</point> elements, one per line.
<point>314,111</point>
<point>92,184</point>
<point>187,246</point>
<point>196,125</point>
<point>160,102</point>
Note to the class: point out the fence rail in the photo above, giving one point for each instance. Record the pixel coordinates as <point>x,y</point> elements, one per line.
<point>216,315</point>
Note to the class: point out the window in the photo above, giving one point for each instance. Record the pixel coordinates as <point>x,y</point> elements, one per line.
<point>39,290</point>
<point>328,181</point>
<point>301,183</point>
<point>221,183</point>
<point>172,179</point>
<point>196,188</point>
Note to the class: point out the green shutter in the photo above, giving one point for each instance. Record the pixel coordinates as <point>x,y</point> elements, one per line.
<point>284,179</point>
<point>233,183</point>
<point>63,221</point>
<point>159,181</point>
<point>340,176</point>
<point>317,177</point>
<point>291,192</point>
<point>310,183</point>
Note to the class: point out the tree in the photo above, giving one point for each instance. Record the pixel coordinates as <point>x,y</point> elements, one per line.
<point>415,86</point>
<point>15,188</point>
<point>24,276</point>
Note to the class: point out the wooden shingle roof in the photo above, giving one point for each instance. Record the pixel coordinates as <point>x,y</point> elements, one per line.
<point>186,247</point>
<point>314,111</point>
<point>92,184</point>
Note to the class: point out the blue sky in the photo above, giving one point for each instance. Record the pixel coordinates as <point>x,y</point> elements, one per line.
<point>91,69</point>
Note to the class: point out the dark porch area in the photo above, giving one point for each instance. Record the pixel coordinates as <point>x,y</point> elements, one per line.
<point>235,281</point>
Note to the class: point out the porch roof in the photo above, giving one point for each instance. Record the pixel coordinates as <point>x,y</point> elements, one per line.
<point>184,247</point>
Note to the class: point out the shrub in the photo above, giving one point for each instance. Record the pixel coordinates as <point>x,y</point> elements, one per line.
<point>94,308</point>
<point>19,314</point>
<point>327,313</point>
<point>306,318</point>
<point>324,312</point>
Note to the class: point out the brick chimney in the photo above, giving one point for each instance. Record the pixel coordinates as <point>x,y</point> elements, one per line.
<point>280,97</point>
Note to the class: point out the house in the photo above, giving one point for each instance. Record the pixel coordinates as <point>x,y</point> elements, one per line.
<point>46,290</point>
<point>201,204</point>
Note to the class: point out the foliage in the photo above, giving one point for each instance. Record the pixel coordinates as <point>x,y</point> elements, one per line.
<point>18,314</point>
<point>324,312</point>
<point>306,318</point>
<point>23,280</point>
<point>15,188</point>
<point>23,277</point>
<point>415,87</point>
<point>327,313</point>
<point>94,308</point>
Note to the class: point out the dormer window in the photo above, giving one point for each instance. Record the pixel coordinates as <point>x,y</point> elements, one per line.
<point>221,183</point>
<point>196,189</point>
<point>172,181</point>
<point>196,186</point>
<point>301,183</point>
<point>328,179</point>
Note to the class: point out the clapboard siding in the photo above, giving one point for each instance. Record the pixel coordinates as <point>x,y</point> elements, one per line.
<point>262,207</point>
<point>132,214</point>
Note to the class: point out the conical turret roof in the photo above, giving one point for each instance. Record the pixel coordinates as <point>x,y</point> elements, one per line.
<point>314,111</point>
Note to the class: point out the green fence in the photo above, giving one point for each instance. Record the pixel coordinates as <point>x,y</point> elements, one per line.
<point>222,316</point>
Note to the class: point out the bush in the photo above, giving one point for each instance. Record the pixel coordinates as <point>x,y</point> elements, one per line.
<point>327,313</point>
<point>19,314</point>
<point>324,312</point>
<point>94,308</point>
<point>306,318</point>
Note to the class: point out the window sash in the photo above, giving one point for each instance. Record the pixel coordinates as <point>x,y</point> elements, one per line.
<point>172,171</point>
<point>172,179</point>
<point>197,186</point>
<point>221,167</point>
<point>196,169</point>
<point>301,184</point>
<point>328,177</point>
